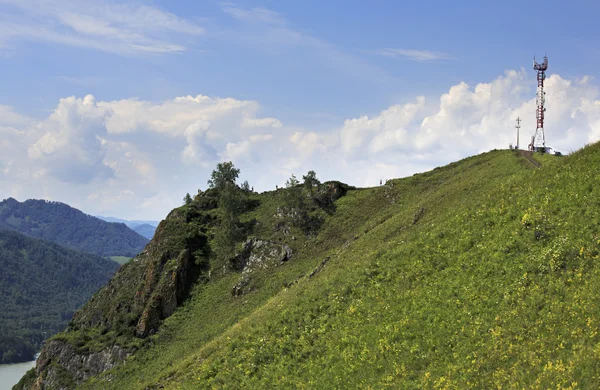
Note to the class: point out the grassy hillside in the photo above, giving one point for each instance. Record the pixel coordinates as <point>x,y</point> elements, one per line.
<point>67,226</point>
<point>480,274</point>
<point>41,285</point>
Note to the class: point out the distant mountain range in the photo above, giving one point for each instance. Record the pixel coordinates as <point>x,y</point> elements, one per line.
<point>67,226</point>
<point>145,228</point>
<point>41,285</point>
<point>130,223</point>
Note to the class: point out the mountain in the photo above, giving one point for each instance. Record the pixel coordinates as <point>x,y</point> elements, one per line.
<point>145,230</point>
<point>130,223</point>
<point>67,226</point>
<point>41,285</point>
<point>481,274</point>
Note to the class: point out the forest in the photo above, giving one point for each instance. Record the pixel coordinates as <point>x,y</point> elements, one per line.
<point>67,226</point>
<point>41,285</point>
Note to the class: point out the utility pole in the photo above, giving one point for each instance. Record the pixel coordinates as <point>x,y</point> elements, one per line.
<point>518,126</point>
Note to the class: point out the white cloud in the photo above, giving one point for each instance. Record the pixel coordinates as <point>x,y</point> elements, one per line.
<point>250,149</point>
<point>11,118</point>
<point>102,25</point>
<point>307,144</point>
<point>135,158</point>
<point>72,146</point>
<point>260,138</point>
<point>254,15</point>
<point>196,148</point>
<point>174,116</point>
<point>250,123</point>
<point>415,55</point>
<point>208,125</point>
<point>469,119</point>
<point>387,130</point>
<point>128,161</point>
<point>129,151</point>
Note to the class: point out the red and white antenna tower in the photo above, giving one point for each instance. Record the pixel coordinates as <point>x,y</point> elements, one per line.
<point>539,138</point>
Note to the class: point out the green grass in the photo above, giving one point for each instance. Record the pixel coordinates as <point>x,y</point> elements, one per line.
<point>120,259</point>
<point>480,274</point>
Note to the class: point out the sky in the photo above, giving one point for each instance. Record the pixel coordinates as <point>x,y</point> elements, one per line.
<point>122,107</point>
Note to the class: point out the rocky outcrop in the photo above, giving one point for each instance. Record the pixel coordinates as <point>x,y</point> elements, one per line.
<point>169,291</point>
<point>134,303</point>
<point>257,254</point>
<point>150,287</point>
<point>328,193</point>
<point>60,366</point>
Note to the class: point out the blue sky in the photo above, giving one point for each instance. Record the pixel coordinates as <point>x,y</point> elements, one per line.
<point>100,106</point>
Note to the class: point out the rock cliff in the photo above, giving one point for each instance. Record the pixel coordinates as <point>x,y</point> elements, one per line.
<point>131,306</point>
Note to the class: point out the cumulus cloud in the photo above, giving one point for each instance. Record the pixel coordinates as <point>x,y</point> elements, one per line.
<point>249,149</point>
<point>197,134</point>
<point>73,144</point>
<point>174,116</point>
<point>306,144</point>
<point>207,124</point>
<point>376,134</point>
<point>470,119</point>
<point>251,123</point>
<point>11,118</point>
<point>137,158</point>
<point>124,151</point>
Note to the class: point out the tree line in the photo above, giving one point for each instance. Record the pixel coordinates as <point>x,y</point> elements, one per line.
<point>299,199</point>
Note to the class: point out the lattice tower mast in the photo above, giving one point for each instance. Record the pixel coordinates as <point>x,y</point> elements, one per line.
<point>539,139</point>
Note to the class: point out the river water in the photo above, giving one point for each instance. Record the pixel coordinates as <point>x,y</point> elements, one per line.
<point>11,374</point>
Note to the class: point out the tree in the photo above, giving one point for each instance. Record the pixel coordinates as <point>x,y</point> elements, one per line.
<point>297,208</point>
<point>292,182</point>
<point>230,232</point>
<point>225,175</point>
<point>245,186</point>
<point>187,199</point>
<point>311,181</point>
<point>293,193</point>
<point>231,203</point>
<point>294,199</point>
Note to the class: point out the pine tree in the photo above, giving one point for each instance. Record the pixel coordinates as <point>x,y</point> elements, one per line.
<point>231,203</point>
<point>311,181</point>
<point>187,199</point>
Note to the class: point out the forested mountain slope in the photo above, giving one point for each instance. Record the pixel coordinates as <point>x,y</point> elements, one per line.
<point>480,274</point>
<point>41,286</point>
<point>145,230</point>
<point>67,226</point>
